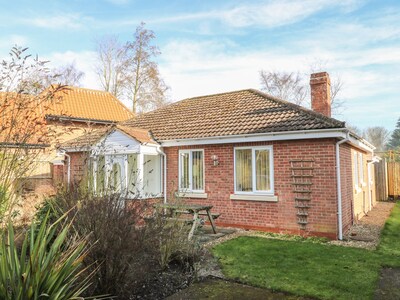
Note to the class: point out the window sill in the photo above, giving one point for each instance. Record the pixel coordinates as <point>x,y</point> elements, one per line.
<point>357,190</point>
<point>191,195</point>
<point>262,198</point>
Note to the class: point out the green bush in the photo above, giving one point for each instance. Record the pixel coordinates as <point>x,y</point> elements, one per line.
<point>48,265</point>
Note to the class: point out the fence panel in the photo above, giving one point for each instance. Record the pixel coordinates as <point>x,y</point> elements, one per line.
<point>381,188</point>
<point>393,172</point>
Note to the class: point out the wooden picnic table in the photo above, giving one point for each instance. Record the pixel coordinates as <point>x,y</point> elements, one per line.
<point>193,209</point>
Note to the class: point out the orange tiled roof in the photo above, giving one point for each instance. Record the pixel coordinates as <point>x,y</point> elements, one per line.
<point>20,120</point>
<point>234,113</point>
<point>89,104</point>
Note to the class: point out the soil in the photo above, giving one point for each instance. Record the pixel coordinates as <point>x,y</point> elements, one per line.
<point>163,284</point>
<point>388,285</point>
<point>215,288</point>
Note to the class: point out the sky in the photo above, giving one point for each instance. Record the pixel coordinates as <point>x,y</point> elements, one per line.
<point>210,46</point>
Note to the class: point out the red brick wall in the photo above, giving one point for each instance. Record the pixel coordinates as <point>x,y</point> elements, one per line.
<point>78,167</point>
<point>57,174</point>
<point>271,216</point>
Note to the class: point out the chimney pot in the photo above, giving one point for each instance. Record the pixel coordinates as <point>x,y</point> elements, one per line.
<point>321,93</point>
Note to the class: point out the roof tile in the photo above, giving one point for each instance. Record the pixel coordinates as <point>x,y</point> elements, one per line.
<point>89,104</point>
<point>234,113</point>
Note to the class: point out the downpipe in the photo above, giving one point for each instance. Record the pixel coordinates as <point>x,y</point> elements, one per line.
<point>165,172</point>
<point>339,184</point>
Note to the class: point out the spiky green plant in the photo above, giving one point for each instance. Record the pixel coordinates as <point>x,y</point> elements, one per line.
<point>48,265</point>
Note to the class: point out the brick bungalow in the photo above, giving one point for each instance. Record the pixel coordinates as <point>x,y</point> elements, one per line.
<point>262,162</point>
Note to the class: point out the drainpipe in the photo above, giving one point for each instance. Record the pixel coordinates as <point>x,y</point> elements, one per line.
<point>339,184</point>
<point>165,172</point>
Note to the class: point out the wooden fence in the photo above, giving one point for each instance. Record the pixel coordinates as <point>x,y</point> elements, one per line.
<point>393,171</point>
<point>387,178</point>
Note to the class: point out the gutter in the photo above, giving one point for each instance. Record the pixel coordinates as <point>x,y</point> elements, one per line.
<point>77,119</point>
<point>165,172</point>
<point>355,140</point>
<point>23,145</point>
<point>339,184</point>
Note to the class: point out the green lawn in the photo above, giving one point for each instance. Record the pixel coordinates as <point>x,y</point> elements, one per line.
<point>307,268</point>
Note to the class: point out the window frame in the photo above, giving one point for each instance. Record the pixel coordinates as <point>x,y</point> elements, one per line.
<point>253,170</point>
<point>190,172</point>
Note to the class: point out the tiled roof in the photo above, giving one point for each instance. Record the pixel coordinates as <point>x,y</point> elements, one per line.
<point>92,137</point>
<point>88,139</point>
<point>20,120</point>
<point>234,113</point>
<point>89,104</point>
<point>141,135</point>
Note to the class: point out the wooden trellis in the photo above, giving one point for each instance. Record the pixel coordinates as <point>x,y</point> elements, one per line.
<point>302,175</point>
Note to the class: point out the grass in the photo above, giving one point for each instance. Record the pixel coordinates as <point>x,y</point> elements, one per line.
<point>306,268</point>
<point>389,247</point>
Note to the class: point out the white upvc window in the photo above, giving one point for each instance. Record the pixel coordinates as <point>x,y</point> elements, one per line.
<point>122,173</point>
<point>254,170</point>
<point>191,170</point>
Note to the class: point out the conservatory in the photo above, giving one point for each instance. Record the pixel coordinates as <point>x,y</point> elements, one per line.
<point>122,160</point>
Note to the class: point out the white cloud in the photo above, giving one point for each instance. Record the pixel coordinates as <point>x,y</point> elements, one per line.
<point>60,21</point>
<point>268,14</point>
<point>195,68</point>
<point>7,42</point>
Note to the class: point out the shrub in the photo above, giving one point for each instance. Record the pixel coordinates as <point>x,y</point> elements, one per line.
<point>48,265</point>
<point>132,256</point>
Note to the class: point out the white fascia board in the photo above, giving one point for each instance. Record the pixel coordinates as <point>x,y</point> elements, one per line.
<point>75,149</point>
<point>149,149</point>
<point>260,137</point>
<point>361,144</point>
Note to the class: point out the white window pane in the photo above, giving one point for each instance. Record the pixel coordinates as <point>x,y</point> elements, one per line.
<point>100,174</point>
<point>262,170</point>
<point>197,170</point>
<point>184,170</point>
<point>243,165</point>
<point>132,174</point>
<point>152,175</point>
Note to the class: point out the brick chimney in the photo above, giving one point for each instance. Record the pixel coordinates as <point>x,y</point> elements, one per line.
<point>321,93</point>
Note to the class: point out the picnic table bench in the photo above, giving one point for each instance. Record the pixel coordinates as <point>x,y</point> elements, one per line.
<point>196,210</point>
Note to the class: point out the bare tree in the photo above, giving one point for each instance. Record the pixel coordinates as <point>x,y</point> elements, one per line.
<point>377,136</point>
<point>287,86</point>
<point>130,72</point>
<point>112,65</point>
<point>67,75</point>
<point>145,84</point>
